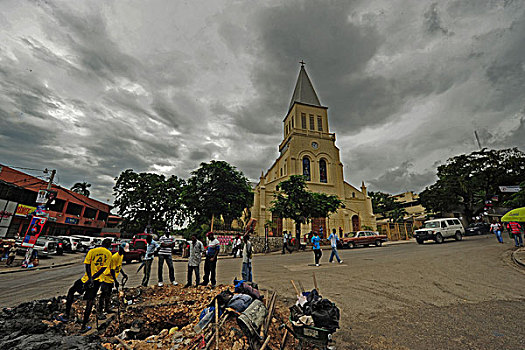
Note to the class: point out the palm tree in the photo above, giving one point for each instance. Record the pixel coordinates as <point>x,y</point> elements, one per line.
<point>81,188</point>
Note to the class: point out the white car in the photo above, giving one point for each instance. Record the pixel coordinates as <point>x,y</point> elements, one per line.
<point>439,229</point>
<point>73,241</point>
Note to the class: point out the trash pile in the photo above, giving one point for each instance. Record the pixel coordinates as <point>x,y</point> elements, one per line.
<point>185,318</point>
<point>30,326</point>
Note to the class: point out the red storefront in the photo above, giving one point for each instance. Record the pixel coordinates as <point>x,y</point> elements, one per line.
<point>71,213</point>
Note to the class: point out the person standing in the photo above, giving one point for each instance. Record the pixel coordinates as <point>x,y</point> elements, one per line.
<point>12,255</point>
<point>148,259</point>
<point>516,230</point>
<point>316,241</point>
<point>95,263</point>
<point>166,246</point>
<point>495,227</point>
<point>286,240</point>
<point>194,260</point>
<point>247,259</point>
<point>237,243</point>
<point>109,279</point>
<point>210,263</point>
<point>333,242</point>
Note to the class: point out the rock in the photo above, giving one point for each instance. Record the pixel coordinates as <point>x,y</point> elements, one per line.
<point>238,345</point>
<point>163,333</point>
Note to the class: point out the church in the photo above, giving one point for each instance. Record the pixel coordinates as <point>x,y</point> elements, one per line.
<point>308,148</point>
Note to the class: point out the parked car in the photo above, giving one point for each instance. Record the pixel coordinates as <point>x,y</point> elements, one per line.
<point>178,246</point>
<point>62,244</point>
<point>477,228</point>
<point>439,229</point>
<point>73,242</point>
<point>364,238</point>
<point>87,242</point>
<point>43,246</point>
<point>136,251</point>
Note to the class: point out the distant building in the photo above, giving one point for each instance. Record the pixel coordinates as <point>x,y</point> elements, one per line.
<point>70,213</point>
<point>308,148</point>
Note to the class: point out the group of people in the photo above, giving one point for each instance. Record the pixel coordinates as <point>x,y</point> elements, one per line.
<point>515,230</point>
<point>318,253</point>
<point>101,271</point>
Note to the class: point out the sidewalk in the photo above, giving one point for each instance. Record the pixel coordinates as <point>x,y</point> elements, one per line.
<point>519,256</point>
<point>45,263</point>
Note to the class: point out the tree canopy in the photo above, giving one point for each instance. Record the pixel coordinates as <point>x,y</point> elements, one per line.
<point>217,189</point>
<point>466,181</point>
<point>385,205</point>
<point>144,199</point>
<point>81,188</point>
<point>294,201</point>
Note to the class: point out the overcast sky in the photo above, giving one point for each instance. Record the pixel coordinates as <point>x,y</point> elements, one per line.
<point>92,88</point>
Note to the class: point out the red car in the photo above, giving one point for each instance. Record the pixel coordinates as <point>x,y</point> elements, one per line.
<point>137,250</point>
<point>364,238</point>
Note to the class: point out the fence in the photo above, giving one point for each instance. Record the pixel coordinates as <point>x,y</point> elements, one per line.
<point>396,231</point>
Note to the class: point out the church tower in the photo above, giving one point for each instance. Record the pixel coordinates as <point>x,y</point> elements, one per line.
<point>308,148</point>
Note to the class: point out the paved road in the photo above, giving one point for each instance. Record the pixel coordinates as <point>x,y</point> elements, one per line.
<point>457,295</point>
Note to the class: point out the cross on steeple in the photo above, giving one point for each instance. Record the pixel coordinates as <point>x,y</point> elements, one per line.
<point>302,63</point>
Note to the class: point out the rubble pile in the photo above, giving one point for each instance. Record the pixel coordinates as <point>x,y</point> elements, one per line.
<point>30,326</point>
<point>166,318</point>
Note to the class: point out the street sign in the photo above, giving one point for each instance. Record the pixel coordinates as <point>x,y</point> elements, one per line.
<point>509,189</point>
<point>42,196</point>
<point>33,231</point>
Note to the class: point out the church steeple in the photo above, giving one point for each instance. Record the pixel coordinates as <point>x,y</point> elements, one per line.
<point>304,90</point>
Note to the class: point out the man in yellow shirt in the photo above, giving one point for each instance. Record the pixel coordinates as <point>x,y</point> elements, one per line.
<point>96,262</point>
<point>109,277</point>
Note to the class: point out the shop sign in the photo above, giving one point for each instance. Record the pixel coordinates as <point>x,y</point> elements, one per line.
<point>24,210</point>
<point>73,221</point>
<point>42,196</point>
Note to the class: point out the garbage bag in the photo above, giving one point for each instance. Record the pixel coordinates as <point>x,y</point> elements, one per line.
<point>325,314</point>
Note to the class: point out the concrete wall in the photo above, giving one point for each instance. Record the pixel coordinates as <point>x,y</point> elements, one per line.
<point>275,244</point>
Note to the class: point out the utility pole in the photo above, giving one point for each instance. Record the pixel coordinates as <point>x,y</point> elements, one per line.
<point>477,139</point>
<point>51,178</point>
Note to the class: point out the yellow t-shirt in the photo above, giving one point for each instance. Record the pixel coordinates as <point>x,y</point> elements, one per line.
<point>98,258</point>
<point>115,264</point>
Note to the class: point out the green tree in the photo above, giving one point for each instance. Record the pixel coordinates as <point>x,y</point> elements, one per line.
<point>81,188</point>
<point>217,189</point>
<point>144,199</point>
<point>294,201</point>
<point>517,200</point>
<point>385,205</point>
<point>466,181</point>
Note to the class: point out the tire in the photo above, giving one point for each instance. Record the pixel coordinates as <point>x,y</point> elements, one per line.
<point>419,241</point>
<point>458,236</point>
<point>352,245</point>
<point>128,261</point>
<point>366,245</point>
<point>438,238</point>
<point>378,243</point>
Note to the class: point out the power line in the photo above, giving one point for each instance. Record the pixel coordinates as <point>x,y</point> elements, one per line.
<point>19,167</point>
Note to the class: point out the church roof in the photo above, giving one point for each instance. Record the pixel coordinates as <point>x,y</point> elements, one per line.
<point>304,91</point>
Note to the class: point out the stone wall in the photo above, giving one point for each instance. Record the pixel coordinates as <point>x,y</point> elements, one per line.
<point>274,243</point>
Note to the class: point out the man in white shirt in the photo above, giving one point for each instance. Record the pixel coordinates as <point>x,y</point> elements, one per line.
<point>247,259</point>
<point>286,240</point>
<point>333,242</point>
<point>210,263</point>
<point>495,227</point>
<point>194,260</point>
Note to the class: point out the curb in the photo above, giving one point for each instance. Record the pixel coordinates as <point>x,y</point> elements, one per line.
<point>516,260</point>
<point>37,268</point>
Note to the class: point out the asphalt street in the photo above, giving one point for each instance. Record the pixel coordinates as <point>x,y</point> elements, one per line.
<point>457,295</point>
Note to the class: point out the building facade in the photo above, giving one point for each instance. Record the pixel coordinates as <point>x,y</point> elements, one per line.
<point>308,148</point>
<point>70,213</point>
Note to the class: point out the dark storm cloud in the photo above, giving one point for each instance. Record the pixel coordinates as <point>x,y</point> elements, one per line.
<point>94,89</point>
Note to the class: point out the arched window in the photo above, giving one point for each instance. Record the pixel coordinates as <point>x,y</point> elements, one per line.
<point>306,168</point>
<point>322,170</point>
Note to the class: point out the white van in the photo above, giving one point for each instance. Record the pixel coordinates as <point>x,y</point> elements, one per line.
<point>439,229</point>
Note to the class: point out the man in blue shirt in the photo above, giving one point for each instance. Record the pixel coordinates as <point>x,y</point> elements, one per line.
<point>148,259</point>
<point>317,248</point>
<point>333,242</point>
<point>210,263</point>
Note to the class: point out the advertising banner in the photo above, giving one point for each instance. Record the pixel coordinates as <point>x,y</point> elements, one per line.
<point>33,231</point>
<point>24,210</point>
<point>509,189</point>
<point>42,196</point>
<point>7,211</point>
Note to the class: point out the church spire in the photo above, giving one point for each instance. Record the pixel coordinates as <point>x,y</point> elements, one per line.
<point>304,90</point>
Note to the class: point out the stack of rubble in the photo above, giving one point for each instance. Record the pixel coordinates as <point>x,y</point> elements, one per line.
<point>168,318</point>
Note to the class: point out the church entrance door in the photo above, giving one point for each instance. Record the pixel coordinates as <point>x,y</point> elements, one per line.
<point>355,223</point>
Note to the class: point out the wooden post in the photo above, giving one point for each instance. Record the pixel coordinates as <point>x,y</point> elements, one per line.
<point>216,323</point>
<point>388,231</point>
<point>406,232</point>
<point>315,283</point>
<point>212,219</point>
